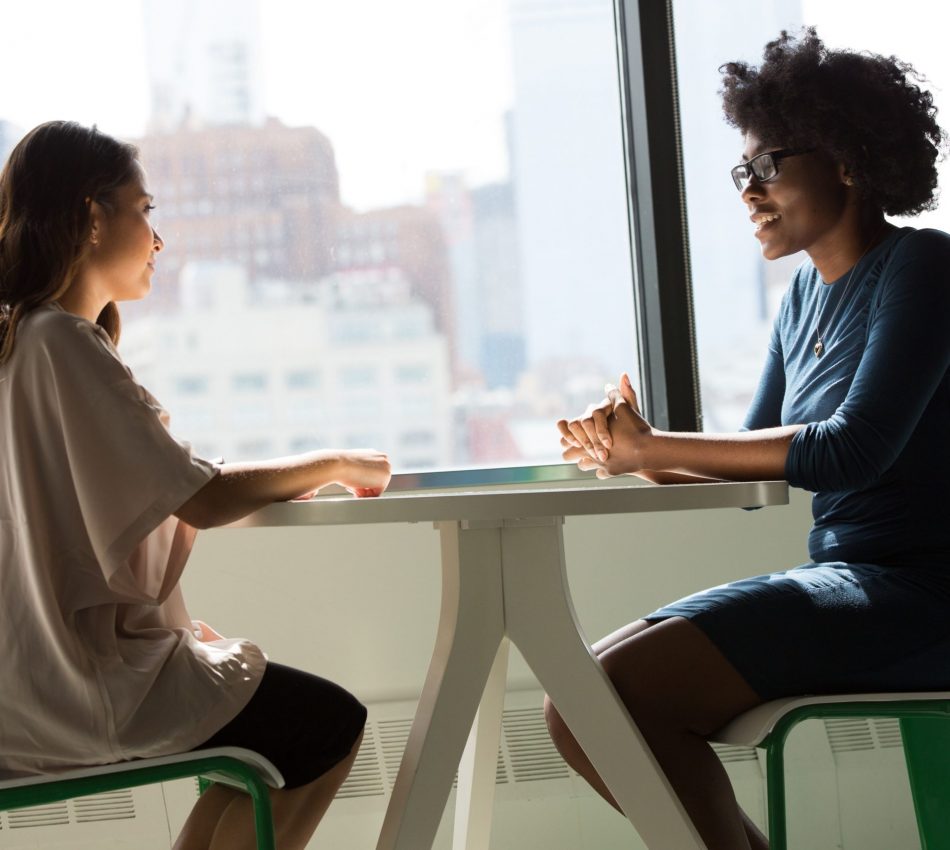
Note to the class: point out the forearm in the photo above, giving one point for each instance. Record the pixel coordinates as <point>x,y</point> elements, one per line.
<point>743,456</point>
<point>242,488</point>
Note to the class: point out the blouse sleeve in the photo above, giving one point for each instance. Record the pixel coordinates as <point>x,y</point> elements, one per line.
<point>906,357</point>
<point>128,473</point>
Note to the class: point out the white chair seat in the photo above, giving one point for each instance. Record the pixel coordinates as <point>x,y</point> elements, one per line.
<point>268,772</point>
<point>754,726</point>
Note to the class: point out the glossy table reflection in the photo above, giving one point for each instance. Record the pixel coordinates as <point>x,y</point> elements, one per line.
<point>504,579</point>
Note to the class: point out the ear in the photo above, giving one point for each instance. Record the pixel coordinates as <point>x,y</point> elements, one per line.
<point>844,175</point>
<point>97,219</point>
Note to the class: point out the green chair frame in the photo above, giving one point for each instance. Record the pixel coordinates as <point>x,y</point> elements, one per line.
<point>232,766</point>
<point>924,720</point>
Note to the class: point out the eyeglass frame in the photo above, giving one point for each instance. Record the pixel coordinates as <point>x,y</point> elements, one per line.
<point>776,156</point>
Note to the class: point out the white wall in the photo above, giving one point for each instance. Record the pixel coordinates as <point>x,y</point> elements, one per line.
<point>359,604</point>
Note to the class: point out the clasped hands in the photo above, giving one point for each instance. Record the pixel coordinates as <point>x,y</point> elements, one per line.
<point>611,436</point>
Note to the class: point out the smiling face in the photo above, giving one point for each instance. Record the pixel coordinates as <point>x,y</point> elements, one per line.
<point>121,259</point>
<point>803,208</point>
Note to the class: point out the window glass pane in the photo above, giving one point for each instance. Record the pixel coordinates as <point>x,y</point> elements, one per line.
<point>736,292</point>
<point>429,211</point>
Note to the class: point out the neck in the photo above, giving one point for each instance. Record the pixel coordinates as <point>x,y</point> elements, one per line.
<point>82,299</point>
<point>842,249</point>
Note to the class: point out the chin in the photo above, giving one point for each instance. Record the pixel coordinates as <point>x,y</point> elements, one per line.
<point>775,252</point>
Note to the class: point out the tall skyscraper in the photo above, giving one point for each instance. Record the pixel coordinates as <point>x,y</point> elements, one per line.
<point>568,168</point>
<point>203,63</point>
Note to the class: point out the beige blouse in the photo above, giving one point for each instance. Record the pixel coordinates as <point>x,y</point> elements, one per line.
<point>101,661</point>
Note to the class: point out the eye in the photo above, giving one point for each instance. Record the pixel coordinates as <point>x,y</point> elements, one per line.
<point>149,208</point>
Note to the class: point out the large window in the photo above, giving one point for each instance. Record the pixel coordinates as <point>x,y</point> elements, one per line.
<point>449,218</point>
<point>398,223</point>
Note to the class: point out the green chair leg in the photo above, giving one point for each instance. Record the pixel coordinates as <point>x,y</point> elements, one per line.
<point>927,751</point>
<point>925,729</point>
<point>775,781</point>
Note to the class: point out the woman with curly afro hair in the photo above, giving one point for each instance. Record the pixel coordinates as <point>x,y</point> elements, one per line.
<point>853,405</point>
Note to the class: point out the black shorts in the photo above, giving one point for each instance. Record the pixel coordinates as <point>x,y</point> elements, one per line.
<point>303,724</point>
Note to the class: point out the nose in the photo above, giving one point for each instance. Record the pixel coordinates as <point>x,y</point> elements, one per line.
<point>754,190</point>
<point>157,241</point>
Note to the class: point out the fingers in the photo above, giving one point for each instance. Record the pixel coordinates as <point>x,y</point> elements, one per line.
<point>573,434</point>
<point>590,431</point>
<point>574,453</point>
<point>365,492</point>
<point>598,436</point>
<point>628,393</point>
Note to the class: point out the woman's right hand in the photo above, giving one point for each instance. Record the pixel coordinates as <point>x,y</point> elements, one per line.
<point>364,472</point>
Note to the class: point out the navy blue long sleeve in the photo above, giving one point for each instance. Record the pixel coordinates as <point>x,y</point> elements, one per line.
<point>876,405</point>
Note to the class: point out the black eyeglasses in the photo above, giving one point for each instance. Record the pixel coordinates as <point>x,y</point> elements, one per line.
<point>763,167</point>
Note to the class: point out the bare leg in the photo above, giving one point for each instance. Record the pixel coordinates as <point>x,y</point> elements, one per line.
<point>203,820</point>
<point>679,689</point>
<point>223,819</point>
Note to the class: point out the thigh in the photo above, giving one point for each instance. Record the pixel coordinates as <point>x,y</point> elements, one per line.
<point>620,635</point>
<point>303,723</point>
<point>671,672</point>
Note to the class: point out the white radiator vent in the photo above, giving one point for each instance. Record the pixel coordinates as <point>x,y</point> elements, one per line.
<point>366,778</point>
<point>730,754</point>
<point>393,735</point>
<point>110,806</point>
<point>888,731</point>
<point>850,734</point>
<point>525,754</point>
<point>385,740</point>
<point>530,752</point>
<point>55,814</point>
<point>114,805</point>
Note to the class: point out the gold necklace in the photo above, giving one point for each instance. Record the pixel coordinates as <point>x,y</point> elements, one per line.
<point>819,345</point>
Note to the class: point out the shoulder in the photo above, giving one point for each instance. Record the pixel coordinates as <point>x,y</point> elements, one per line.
<point>51,341</point>
<point>914,276</point>
<point>927,247</point>
<point>63,334</point>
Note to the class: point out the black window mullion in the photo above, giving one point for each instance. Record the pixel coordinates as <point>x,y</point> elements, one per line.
<point>657,214</point>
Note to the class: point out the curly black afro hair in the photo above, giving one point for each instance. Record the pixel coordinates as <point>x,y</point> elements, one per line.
<point>867,111</point>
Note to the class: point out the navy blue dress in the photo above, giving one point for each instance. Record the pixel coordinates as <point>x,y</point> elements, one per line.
<point>872,612</point>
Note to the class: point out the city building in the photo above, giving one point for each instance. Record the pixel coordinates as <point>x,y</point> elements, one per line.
<point>254,371</point>
<point>265,197</point>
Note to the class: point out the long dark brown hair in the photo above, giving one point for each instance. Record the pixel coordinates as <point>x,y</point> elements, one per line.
<point>46,187</point>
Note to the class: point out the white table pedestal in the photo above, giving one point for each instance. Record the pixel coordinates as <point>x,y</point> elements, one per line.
<point>505,580</point>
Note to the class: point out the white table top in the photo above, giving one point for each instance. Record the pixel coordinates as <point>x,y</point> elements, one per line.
<point>511,503</point>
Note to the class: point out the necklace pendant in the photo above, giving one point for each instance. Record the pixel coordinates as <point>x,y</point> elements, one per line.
<point>819,348</point>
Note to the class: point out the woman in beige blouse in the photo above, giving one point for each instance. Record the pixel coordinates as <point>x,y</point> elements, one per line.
<point>98,509</point>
